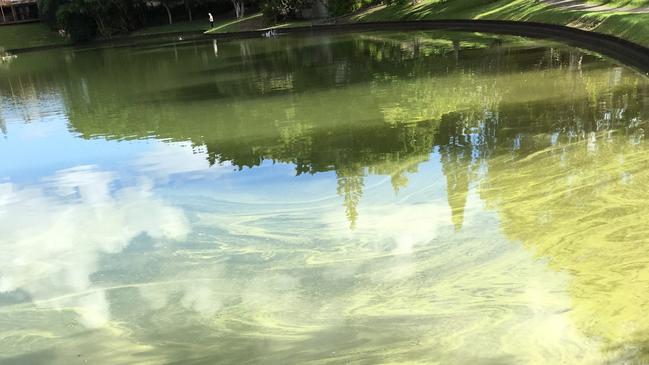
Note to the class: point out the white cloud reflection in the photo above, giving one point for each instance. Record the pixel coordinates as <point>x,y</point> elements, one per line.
<point>201,289</point>
<point>54,235</point>
<point>167,159</point>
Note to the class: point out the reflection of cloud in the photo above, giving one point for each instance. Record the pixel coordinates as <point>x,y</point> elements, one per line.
<point>53,236</point>
<point>400,226</point>
<point>201,295</point>
<point>167,159</point>
<point>92,186</point>
<point>200,288</point>
<point>204,291</point>
<point>201,299</point>
<point>277,289</point>
<point>391,233</point>
<point>405,279</point>
<point>93,309</point>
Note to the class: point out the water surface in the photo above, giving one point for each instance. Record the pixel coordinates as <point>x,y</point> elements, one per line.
<point>386,198</point>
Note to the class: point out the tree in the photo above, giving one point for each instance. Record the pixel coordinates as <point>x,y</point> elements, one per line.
<point>165,4</point>
<point>80,27</point>
<point>239,8</point>
<point>85,19</point>
<point>188,8</point>
<point>282,9</point>
<point>47,10</point>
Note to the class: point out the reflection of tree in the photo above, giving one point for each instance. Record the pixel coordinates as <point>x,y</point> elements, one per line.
<point>455,153</point>
<point>575,195</point>
<point>350,187</point>
<point>568,179</point>
<point>582,205</point>
<point>350,105</point>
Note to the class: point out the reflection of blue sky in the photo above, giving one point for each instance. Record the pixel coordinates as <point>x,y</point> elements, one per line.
<point>278,183</point>
<point>45,146</point>
<point>34,150</point>
<point>42,148</point>
<point>38,149</point>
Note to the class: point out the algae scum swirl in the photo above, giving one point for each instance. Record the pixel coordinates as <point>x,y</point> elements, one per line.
<point>416,198</point>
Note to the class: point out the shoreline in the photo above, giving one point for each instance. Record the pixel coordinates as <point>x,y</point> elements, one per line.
<point>627,52</point>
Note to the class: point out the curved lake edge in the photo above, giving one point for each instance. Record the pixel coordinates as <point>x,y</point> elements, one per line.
<point>628,53</point>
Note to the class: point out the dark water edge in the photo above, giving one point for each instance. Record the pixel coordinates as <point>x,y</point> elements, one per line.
<point>626,52</point>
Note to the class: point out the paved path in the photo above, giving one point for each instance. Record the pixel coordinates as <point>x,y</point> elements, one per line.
<point>580,5</point>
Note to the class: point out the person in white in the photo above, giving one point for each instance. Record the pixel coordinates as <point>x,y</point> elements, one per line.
<point>211,20</point>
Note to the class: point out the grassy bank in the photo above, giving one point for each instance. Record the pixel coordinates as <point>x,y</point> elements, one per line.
<point>621,3</point>
<point>223,23</point>
<point>630,26</point>
<point>627,25</point>
<point>194,26</point>
<point>28,35</point>
<point>633,26</point>
<point>38,34</point>
<point>254,22</point>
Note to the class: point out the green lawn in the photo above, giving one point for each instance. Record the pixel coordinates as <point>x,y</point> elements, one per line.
<point>250,22</point>
<point>622,3</point>
<point>197,25</point>
<point>28,35</point>
<point>631,26</point>
<point>634,27</point>
<point>253,22</point>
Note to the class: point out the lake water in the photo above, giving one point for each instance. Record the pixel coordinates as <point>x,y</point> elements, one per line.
<point>379,198</point>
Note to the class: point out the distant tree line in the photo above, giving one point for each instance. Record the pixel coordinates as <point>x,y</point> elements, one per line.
<point>84,20</point>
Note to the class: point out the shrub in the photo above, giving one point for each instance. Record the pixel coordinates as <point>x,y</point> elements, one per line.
<point>282,9</point>
<point>78,26</point>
